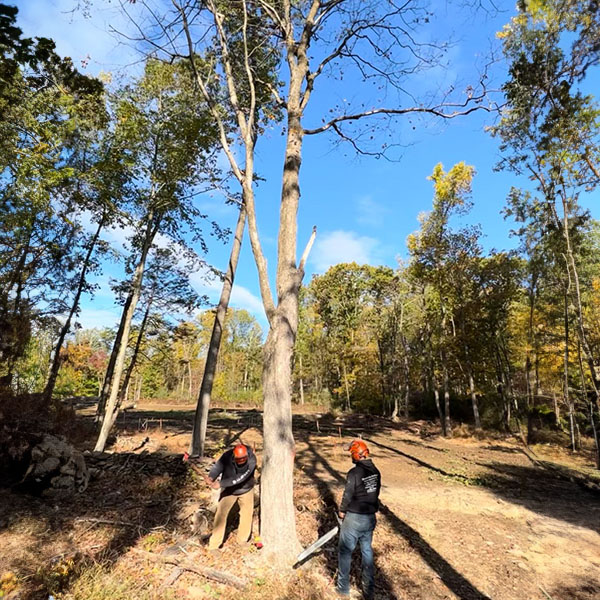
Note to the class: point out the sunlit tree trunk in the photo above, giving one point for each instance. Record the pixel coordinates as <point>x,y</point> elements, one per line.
<point>112,409</point>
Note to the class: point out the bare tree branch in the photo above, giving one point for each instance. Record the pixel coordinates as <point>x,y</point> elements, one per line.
<point>306,252</point>
<point>437,111</point>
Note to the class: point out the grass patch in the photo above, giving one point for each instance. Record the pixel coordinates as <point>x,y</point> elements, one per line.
<point>99,583</point>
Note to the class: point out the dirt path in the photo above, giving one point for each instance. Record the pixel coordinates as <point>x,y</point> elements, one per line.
<point>470,519</point>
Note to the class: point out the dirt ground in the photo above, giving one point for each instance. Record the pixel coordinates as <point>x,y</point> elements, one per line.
<point>461,518</point>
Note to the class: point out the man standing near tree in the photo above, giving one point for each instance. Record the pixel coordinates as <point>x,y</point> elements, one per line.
<point>359,504</point>
<point>236,470</point>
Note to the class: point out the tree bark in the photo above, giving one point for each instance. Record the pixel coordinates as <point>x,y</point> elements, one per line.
<point>278,523</point>
<point>567,396</point>
<point>198,441</point>
<point>49,388</point>
<point>572,268</point>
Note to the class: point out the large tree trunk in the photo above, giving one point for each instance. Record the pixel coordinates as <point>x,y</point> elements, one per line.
<point>112,409</point>
<point>278,516</point>
<point>49,389</point>
<point>110,369</point>
<point>198,440</point>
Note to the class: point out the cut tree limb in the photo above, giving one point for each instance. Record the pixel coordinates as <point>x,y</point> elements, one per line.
<point>188,565</point>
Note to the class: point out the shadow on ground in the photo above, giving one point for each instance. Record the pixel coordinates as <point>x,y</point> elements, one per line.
<point>545,493</point>
<point>313,462</point>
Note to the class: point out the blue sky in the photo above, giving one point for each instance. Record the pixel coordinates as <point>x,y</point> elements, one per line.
<point>363,208</point>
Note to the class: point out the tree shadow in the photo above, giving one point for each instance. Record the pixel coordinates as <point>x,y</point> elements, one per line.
<point>505,449</point>
<point>453,580</point>
<point>419,461</point>
<point>543,492</point>
<point>585,590</point>
<point>312,462</point>
<point>534,488</point>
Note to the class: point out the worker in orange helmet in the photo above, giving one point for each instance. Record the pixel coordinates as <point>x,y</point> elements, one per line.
<point>236,470</point>
<point>359,504</point>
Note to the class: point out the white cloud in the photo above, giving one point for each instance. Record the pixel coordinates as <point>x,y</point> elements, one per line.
<point>241,297</point>
<point>370,212</point>
<point>342,246</point>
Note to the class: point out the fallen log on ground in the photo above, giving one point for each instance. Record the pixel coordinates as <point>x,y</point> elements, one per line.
<point>188,565</point>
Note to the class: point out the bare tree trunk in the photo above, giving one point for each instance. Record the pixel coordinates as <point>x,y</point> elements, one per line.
<point>138,390</point>
<point>406,374</point>
<point>110,369</point>
<point>567,396</point>
<point>198,441</point>
<point>49,389</point>
<point>447,423</point>
<point>572,267</point>
<point>382,376</point>
<point>472,386</point>
<point>436,395</point>
<point>502,391</point>
<point>134,356</point>
<point>474,400</point>
<point>301,382</point>
<point>346,387</point>
<point>279,448</point>
<point>591,405</point>
<point>112,409</point>
<point>556,408</point>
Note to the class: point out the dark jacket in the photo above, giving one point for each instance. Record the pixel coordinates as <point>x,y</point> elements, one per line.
<point>235,479</point>
<point>361,494</point>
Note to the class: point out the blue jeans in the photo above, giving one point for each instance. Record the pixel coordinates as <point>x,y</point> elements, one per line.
<point>356,529</point>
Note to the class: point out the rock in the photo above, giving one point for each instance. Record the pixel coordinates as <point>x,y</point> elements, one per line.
<point>55,465</point>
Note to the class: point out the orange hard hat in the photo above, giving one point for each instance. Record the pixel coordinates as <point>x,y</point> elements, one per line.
<point>358,449</point>
<point>240,454</point>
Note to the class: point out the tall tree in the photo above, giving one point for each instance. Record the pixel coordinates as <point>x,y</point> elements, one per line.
<point>549,129</point>
<point>436,256</point>
<point>315,38</point>
<point>172,142</point>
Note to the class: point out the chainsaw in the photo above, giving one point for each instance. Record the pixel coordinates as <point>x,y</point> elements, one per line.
<point>306,553</point>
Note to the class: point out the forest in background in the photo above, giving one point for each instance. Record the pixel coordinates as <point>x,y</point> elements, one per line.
<point>504,340</point>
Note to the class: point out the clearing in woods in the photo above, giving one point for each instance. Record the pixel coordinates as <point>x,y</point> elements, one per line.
<point>461,518</point>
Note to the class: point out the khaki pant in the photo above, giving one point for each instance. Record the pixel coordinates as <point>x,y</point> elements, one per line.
<point>225,505</point>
